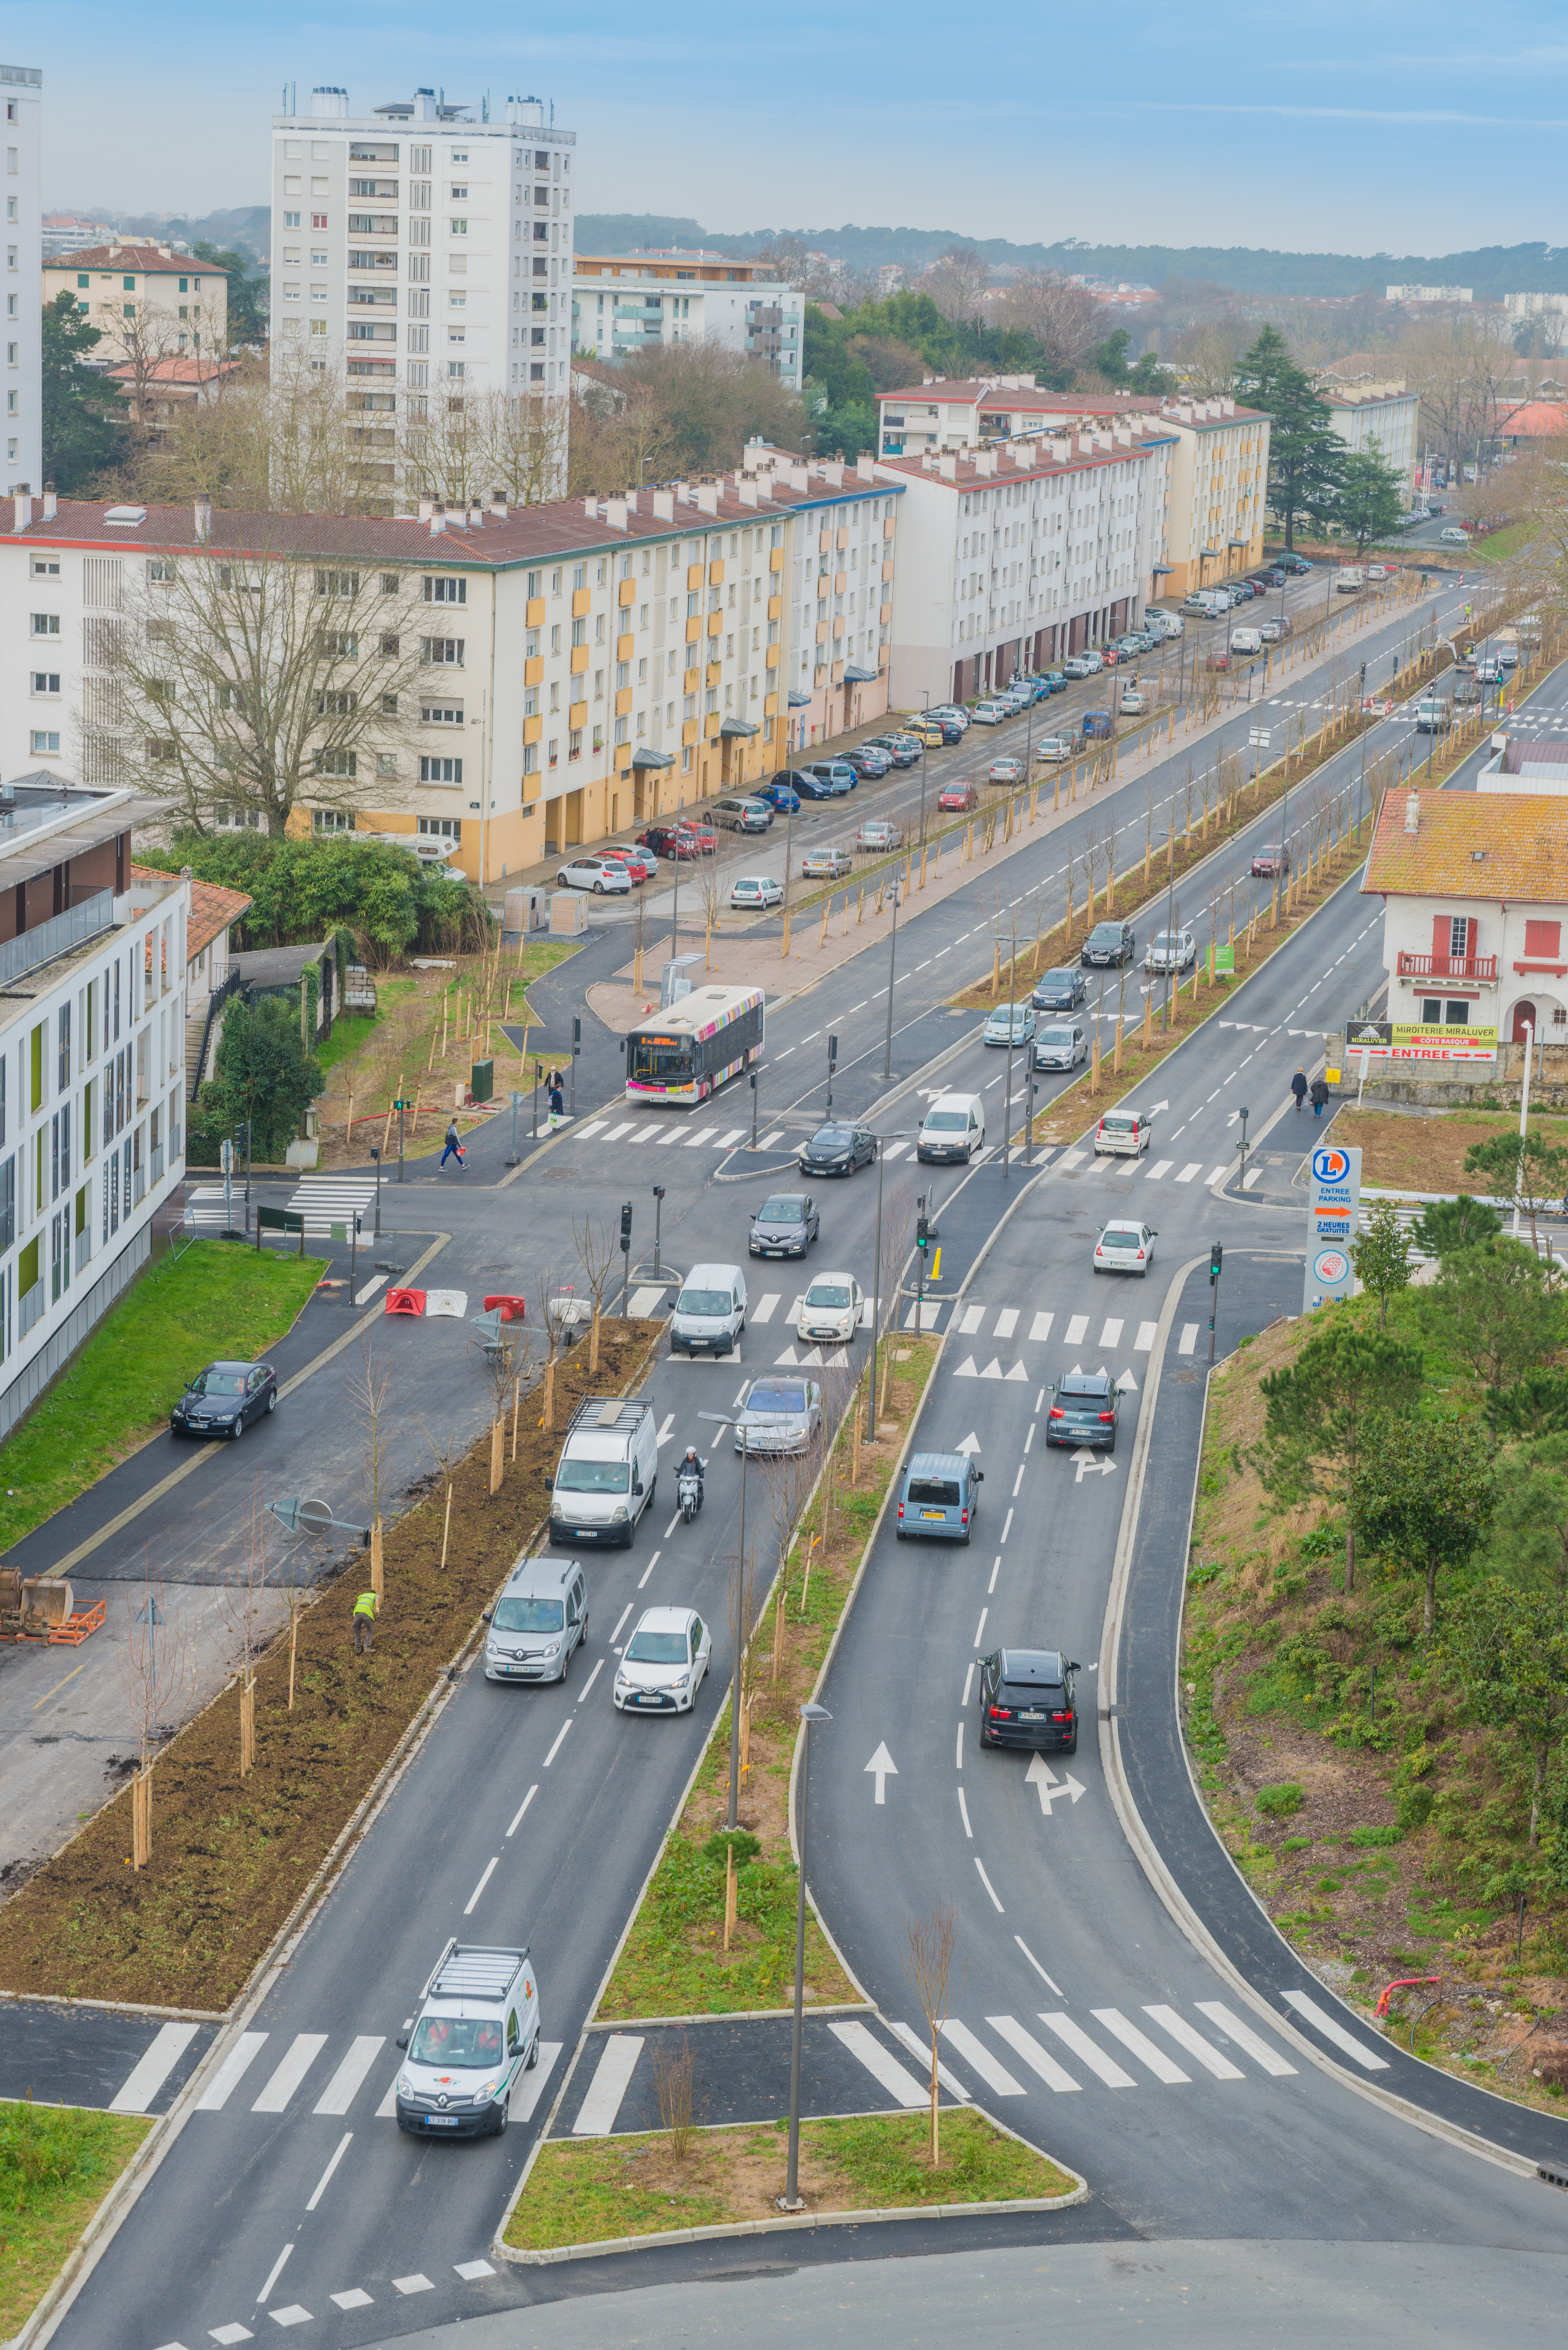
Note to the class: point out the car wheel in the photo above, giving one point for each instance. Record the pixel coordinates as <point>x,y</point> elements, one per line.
<point>899,1535</point>
<point>1073,1747</point>
<point>239,1429</point>
<point>598,889</point>
<point>532,2058</point>
<point>566,1662</point>
<point>505,2115</point>
<point>272,1401</point>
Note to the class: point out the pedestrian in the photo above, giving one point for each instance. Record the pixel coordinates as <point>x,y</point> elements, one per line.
<point>557,1098</point>
<point>364,1623</point>
<point>1319,1096</point>
<point>453,1147</point>
<point>1299,1086</point>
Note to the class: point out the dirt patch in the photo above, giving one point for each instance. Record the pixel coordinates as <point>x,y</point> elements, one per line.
<point>1419,1153</point>
<point>231,1856</point>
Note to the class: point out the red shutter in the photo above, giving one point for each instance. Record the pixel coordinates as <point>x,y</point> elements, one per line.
<point>1542,942</point>
<point>1441,932</point>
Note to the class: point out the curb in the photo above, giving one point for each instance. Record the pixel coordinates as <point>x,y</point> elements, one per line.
<point>726,2015</point>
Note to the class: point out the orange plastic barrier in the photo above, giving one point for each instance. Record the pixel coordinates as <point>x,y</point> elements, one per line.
<point>405,1300</point>
<point>510,1308</point>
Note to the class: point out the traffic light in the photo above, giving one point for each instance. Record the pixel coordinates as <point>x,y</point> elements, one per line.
<point>659,1190</point>
<point>833,1052</point>
<point>923,1232</point>
<point>1216,1259</point>
<point>625,1229</point>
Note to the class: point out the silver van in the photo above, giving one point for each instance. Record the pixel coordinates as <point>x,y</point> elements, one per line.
<point>940,1495</point>
<point>477,2029</point>
<point>711,1311</point>
<point>540,1618</point>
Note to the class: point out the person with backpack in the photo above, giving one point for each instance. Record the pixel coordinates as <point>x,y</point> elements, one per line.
<point>454,1146</point>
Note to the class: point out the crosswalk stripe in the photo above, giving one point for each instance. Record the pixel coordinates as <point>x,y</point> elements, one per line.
<point>1073,2036</point>
<point>881,2063</point>
<point>764,1310</point>
<point>643,1134</point>
<point>1144,1343</point>
<point>769,1140</point>
<point>921,2050</point>
<point>700,1140</point>
<point>344,2087</point>
<point>1160,1168</point>
<point>979,2058</point>
<point>612,2078</point>
<point>1071,1159</point>
<point>594,1126</point>
<point>1041,1326</point>
<point>1216,1175</point>
<point>230,2072</point>
<point>1077,1330</point>
<point>158,2061</point>
<point>1323,2022</point>
<point>1192,1168</point>
<point>725,1141</point>
<point>1111,1335</point>
<point>973,1316</point>
<point>1141,2045</point>
<point>1006,1322</point>
<point>674,1136</point>
<point>1182,2032</point>
<point>616,1131</point>
<point>1024,2045</point>
<point>1101,1165</point>
<point>1260,2051</point>
<point>642,1302</point>
<point>303,2053</point>
<point>1188,1338</point>
<point>894,1150</point>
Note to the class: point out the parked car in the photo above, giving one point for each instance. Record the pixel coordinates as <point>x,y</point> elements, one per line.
<point>743,815</point>
<point>932,733</point>
<point>813,788</point>
<point>991,713</point>
<point>781,796</point>
<point>785,1225</point>
<point>639,864</point>
<point>830,1310</point>
<point>1061,990</point>
<point>1171,951</point>
<point>836,774</point>
<point>757,893</point>
<point>902,750</point>
<point>1241,591</point>
<point>1084,1408</point>
<point>1083,665</point>
<point>1274,632</point>
<point>826,865</point>
<point>1297,565</point>
<point>681,842</point>
<point>1098,726</point>
<point>867,760</point>
<point>225,1398</point>
<point>1005,771</point>
<point>1109,657</point>
<point>1110,944</point>
<point>1056,748</point>
<point>1057,679</point>
<point>661,1669</point>
<point>605,876</point>
<point>1010,1024</point>
<point>952,713</point>
<point>958,798</point>
<point>1123,1134</point>
<point>1134,702</point>
<point>1125,1244</point>
<point>1273,858</point>
<point>1028,1698</point>
<point>838,1150</point>
<point>1062,1044</point>
<point>940,1498</point>
<point>877,838</point>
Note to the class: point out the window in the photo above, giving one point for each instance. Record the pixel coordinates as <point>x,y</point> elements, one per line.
<point>460,196</point>
<point>440,713</point>
<point>455,369</point>
<point>441,652</point>
<point>290,220</point>
<point>46,680</point>
<point>339,644</point>
<point>441,828</point>
<point>318,220</point>
<point>1543,941</point>
<point>337,583</point>
<point>446,590</point>
<point>391,582</point>
<point>45,745</point>
<point>336,762</point>
<point>440,771</point>
<point>331,820</point>
<point>45,624</point>
<point>460,228</point>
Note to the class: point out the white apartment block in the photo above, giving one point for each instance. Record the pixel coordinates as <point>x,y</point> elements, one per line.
<point>421,250</point>
<point>952,414</point>
<point>840,590</point>
<point>1014,555</point>
<point>22,93</point>
<point>1384,416</point>
<point>622,304</point>
<point>92,1047</point>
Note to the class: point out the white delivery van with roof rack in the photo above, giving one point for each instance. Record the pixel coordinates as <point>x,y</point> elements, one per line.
<point>476,2031</point>
<point>607,1473</point>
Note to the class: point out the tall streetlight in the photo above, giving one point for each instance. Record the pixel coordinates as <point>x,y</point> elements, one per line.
<point>899,1134</point>
<point>730,1419</point>
<point>791,2199</point>
<point>892,949</point>
<point>925,705</point>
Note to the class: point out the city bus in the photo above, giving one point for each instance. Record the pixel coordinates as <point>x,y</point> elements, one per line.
<point>688,1051</point>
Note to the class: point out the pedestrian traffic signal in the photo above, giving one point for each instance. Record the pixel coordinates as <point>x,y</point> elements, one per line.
<point>1216,1259</point>
<point>625,1229</point>
<point>833,1052</point>
<point>659,1190</point>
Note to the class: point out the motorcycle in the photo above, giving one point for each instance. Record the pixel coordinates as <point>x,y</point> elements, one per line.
<point>689,1492</point>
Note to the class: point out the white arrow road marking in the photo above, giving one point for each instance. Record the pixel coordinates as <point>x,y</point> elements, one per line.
<point>971,1443</point>
<point>966,1369</point>
<point>884,1768</point>
<point>1091,1464</point>
<point>1155,1108</point>
<point>1126,1384</point>
<point>1051,1789</point>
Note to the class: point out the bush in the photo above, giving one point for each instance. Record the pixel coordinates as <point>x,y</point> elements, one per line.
<point>1278,1801</point>
<point>1365,1836</point>
<point>264,1073</point>
<point>301,888</point>
<point>746,1845</point>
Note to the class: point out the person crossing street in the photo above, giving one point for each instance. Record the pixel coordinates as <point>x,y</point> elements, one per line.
<point>454,1146</point>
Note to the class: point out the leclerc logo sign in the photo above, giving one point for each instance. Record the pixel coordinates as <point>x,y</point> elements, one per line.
<point>1331,1166</point>
<point>1333,1213</point>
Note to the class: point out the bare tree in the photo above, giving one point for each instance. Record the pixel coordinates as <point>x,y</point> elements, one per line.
<point>892,1253</point>
<point>674,2085</point>
<point>550,1324</point>
<point>367,1392</point>
<point>787,1477</point>
<point>480,445</point>
<point>245,1605</point>
<point>1206,356</point>
<point>155,1675</point>
<point>1064,318</point>
<point>932,1941</point>
<point>598,1249</point>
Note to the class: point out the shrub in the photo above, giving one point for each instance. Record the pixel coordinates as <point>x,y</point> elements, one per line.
<point>1376,1835</point>
<point>747,1847</point>
<point>1278,1801</point>
<point>1296,1844</point>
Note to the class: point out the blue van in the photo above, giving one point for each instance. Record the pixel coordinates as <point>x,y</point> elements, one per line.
<point>1096,726</point>
<point>941,1496</point>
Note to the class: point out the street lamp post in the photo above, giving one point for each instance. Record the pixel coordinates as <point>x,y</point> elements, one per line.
<point>892,950</point>
<point>376,1155</point>
<point>791,2199</point>
<point>728,1419</point>
<point>925,705</point>
<point>899,1135</point>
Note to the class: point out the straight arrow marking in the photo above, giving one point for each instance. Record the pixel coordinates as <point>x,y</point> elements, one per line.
<point>884,1768</point>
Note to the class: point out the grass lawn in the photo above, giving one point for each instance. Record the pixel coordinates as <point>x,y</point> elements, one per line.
<point>56,2165</point>
<point>638,2186</point>
<point>1427,1154</point>
<point>1501,545</point>
<point>216,1299</point>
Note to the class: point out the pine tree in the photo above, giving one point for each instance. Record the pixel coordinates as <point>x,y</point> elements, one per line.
<point>1306,456</point>
<point>84,422</point>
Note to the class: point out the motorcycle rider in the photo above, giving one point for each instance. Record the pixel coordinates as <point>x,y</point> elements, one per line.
<point>691,1465</point>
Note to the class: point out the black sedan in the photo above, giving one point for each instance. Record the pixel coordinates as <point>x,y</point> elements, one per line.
<point>838,1150</point>
<point>785,1225</point>
<point>225,1398</point>
<point>813,788</point>
<point>1084,1411</point>
<point>1028,1698</point>
<point>1059,990</point>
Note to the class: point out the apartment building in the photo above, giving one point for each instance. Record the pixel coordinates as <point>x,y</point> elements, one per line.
<point>624,303</point>
<point>92,970</point>
<point>422,249</point>
<point>840,590</point>
<point>149,303</point>
<point>577,667</point>
<point>1380,415</point>
<point>22,93</point>
<point>1013,555</point>
<point>1219,477</point>
<point>937,414</point>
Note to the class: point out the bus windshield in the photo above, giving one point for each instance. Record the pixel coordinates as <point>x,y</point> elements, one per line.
<point>660,1063</point>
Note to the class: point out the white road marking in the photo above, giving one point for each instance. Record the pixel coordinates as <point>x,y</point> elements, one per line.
<point>1023,2043</point>
<point>230,2073</point>
<point>344,2143</point>
<point>1323,2022</point>
<point>979,2058</point>
<point>1037,1967</point>
<point>1077,1330</point>
<point>1182,2032</point>
<point>345,2084</point>
<point>981,1626</point>
<point>1144,1343</point>
<point>963,1809</point>
<point>881,2063</point>
<point>1188,1338</point>
<point>612,2078</point>
<point>958,1755</point>
<point>1262,2052</point>
<point>921,2052</point>
<point>158,2061</point>
<point>1193,1166</point>
<point>989,1886</point>
<point>1090,2052</point>
<point>473,1896</point>
<point>1041,1326</point>
<point>276,2272</point>
<point>592,1678</point>
<point>560,1734</point>
<point>1111,1335</point>
<point>647,1570</point>
<point>305,2048</point>
<point>764,1308</point>
<point>517,1818</point>
<point>1141,2045</point>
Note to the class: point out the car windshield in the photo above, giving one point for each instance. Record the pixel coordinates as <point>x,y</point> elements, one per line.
<point>934,1490</point>
<point>1033,1693</point>
<point>219,1383</point>
<point>1063,1036</point>
<point>777,1395</point>
<point>781,1212</point>
<point>528,1616</point>
<point>657,1649</point>
<point>703,1301</point>
<point>457,2042</point>
<point>831,1138</point>
<point>833,1293</point>
<point>947,1121</point>
<point>1108,933</point>
<point>1058,979</point>
<point>1120,1238</point>
<point>1167,938</point>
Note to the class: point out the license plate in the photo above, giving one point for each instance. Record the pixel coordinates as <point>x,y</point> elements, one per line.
<point>1030,1717</point>
<point>648,1701</point>
<point>940,1515</point>
<point>586,1533</point>
<point>441,2121</point>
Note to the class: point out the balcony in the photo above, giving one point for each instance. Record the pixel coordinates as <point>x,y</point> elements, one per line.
<point>57,936</point>
<point>157,1165</point>
<point>1476,968</point>
<point>30,1309</point>
<point>139,1180</point>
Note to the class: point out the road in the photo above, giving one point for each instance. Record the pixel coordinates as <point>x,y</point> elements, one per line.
<point>533,1815</point>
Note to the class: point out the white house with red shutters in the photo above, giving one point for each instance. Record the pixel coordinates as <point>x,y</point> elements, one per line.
<point>1475,934</point>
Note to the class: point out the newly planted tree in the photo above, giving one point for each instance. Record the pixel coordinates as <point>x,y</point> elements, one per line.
<point>1381,1255</point>
<point>1525,1168</point>
<point>932,1942</point>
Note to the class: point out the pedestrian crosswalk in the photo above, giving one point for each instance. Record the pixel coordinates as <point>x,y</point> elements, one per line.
<point>275,2072</point>
<point>206,1211</point>
<point>327,1200</point>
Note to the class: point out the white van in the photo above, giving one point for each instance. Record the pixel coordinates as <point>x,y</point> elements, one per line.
<point>1170,625</point>
<point>540,1618</point>
<point>954,1127</point>
<point>1246,640</point>
<point>607,1473</point>
<point>476,2032</point>
<point>711,1311</point>
<point>1350,581</point>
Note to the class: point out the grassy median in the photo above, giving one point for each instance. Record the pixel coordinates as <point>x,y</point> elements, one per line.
<point>56,2165</point>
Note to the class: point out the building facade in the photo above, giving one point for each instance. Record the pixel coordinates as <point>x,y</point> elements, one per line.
<point>1219,477</point>
<point>149,303</point>
<point>625,303</point>
<point>1383,416</point>
<point>22,93</point>
<point>939,414</point>
<point>423,250</point>
<point>1015,556</point>
<point>92,1061</point>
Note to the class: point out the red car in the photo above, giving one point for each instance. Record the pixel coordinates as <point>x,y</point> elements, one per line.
<point>679,841</point>
<point>957,799</point>
<point>1274,859</point>
<point>637,862</point>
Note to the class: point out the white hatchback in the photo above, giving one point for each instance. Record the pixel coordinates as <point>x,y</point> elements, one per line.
<point>991,713</point>
<point>665,1659</point>
<point>602,875</point>
<point>1124,1245</point>
<point>756,891</point>
<point>830,1310</point>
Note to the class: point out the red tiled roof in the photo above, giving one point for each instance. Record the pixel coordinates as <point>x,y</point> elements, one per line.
<point>1512,850</point>
<point>150,259</point>
<point>212,907</point>
<point>1536,420</point>
<point>179,369</point>
<point>967,474</point>
<point>978,391</point>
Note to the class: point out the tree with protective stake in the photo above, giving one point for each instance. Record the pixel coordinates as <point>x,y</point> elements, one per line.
<point>1381,1255</point>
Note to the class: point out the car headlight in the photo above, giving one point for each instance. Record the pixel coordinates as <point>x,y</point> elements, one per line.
<point>552,1649</point>
<point>405,2086</point>
<point>618,1515</point>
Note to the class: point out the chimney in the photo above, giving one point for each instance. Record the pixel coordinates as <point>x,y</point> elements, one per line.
<point>49,503</point>
<point>476,515</point>
<point>1413,813</point>
<point>615,513</point>
<point>203,519</point>
<point>864,468</point>
<point>427,508</point>
<point>631,500</point>
<point>23,506</point>
<point>707,497</point>
<point>498,505</point>
<point>590,509</point>
<point>947,467</point>
<point>438,525</point>
<point>664,506</point>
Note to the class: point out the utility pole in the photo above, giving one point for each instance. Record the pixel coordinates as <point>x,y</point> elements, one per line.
<point>892,950</point>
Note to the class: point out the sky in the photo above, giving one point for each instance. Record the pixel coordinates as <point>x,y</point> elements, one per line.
<point>1356,126</point>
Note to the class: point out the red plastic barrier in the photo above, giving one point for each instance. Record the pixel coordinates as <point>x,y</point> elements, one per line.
<point>512,1308</point>
<point>405,1300</point>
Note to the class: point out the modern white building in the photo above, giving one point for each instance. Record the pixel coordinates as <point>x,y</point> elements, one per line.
<point>951,413</point>
<point>622,303</point>
<point>1382,415</point>
<point>1016,555</point>
<point>423,249</point>
<point>92,1048</point>
<point>22,89</point>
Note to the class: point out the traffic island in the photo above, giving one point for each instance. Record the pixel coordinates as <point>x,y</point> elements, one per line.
<point>58,2163</point>
<point>690,2185</point>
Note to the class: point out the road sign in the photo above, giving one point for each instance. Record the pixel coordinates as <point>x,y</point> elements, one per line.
<point>1049,1788</point>
<point>1259,738</point>
<point>303,1516</point>
<point>1333,1209</point>
<point>1224,963</point>
<point>884,1768</point>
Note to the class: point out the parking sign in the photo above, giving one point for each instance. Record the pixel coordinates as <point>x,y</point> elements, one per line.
<point>1333,1211</point>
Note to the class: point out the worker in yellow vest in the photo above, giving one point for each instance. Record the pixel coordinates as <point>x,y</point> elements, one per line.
<point>364,1622</point>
